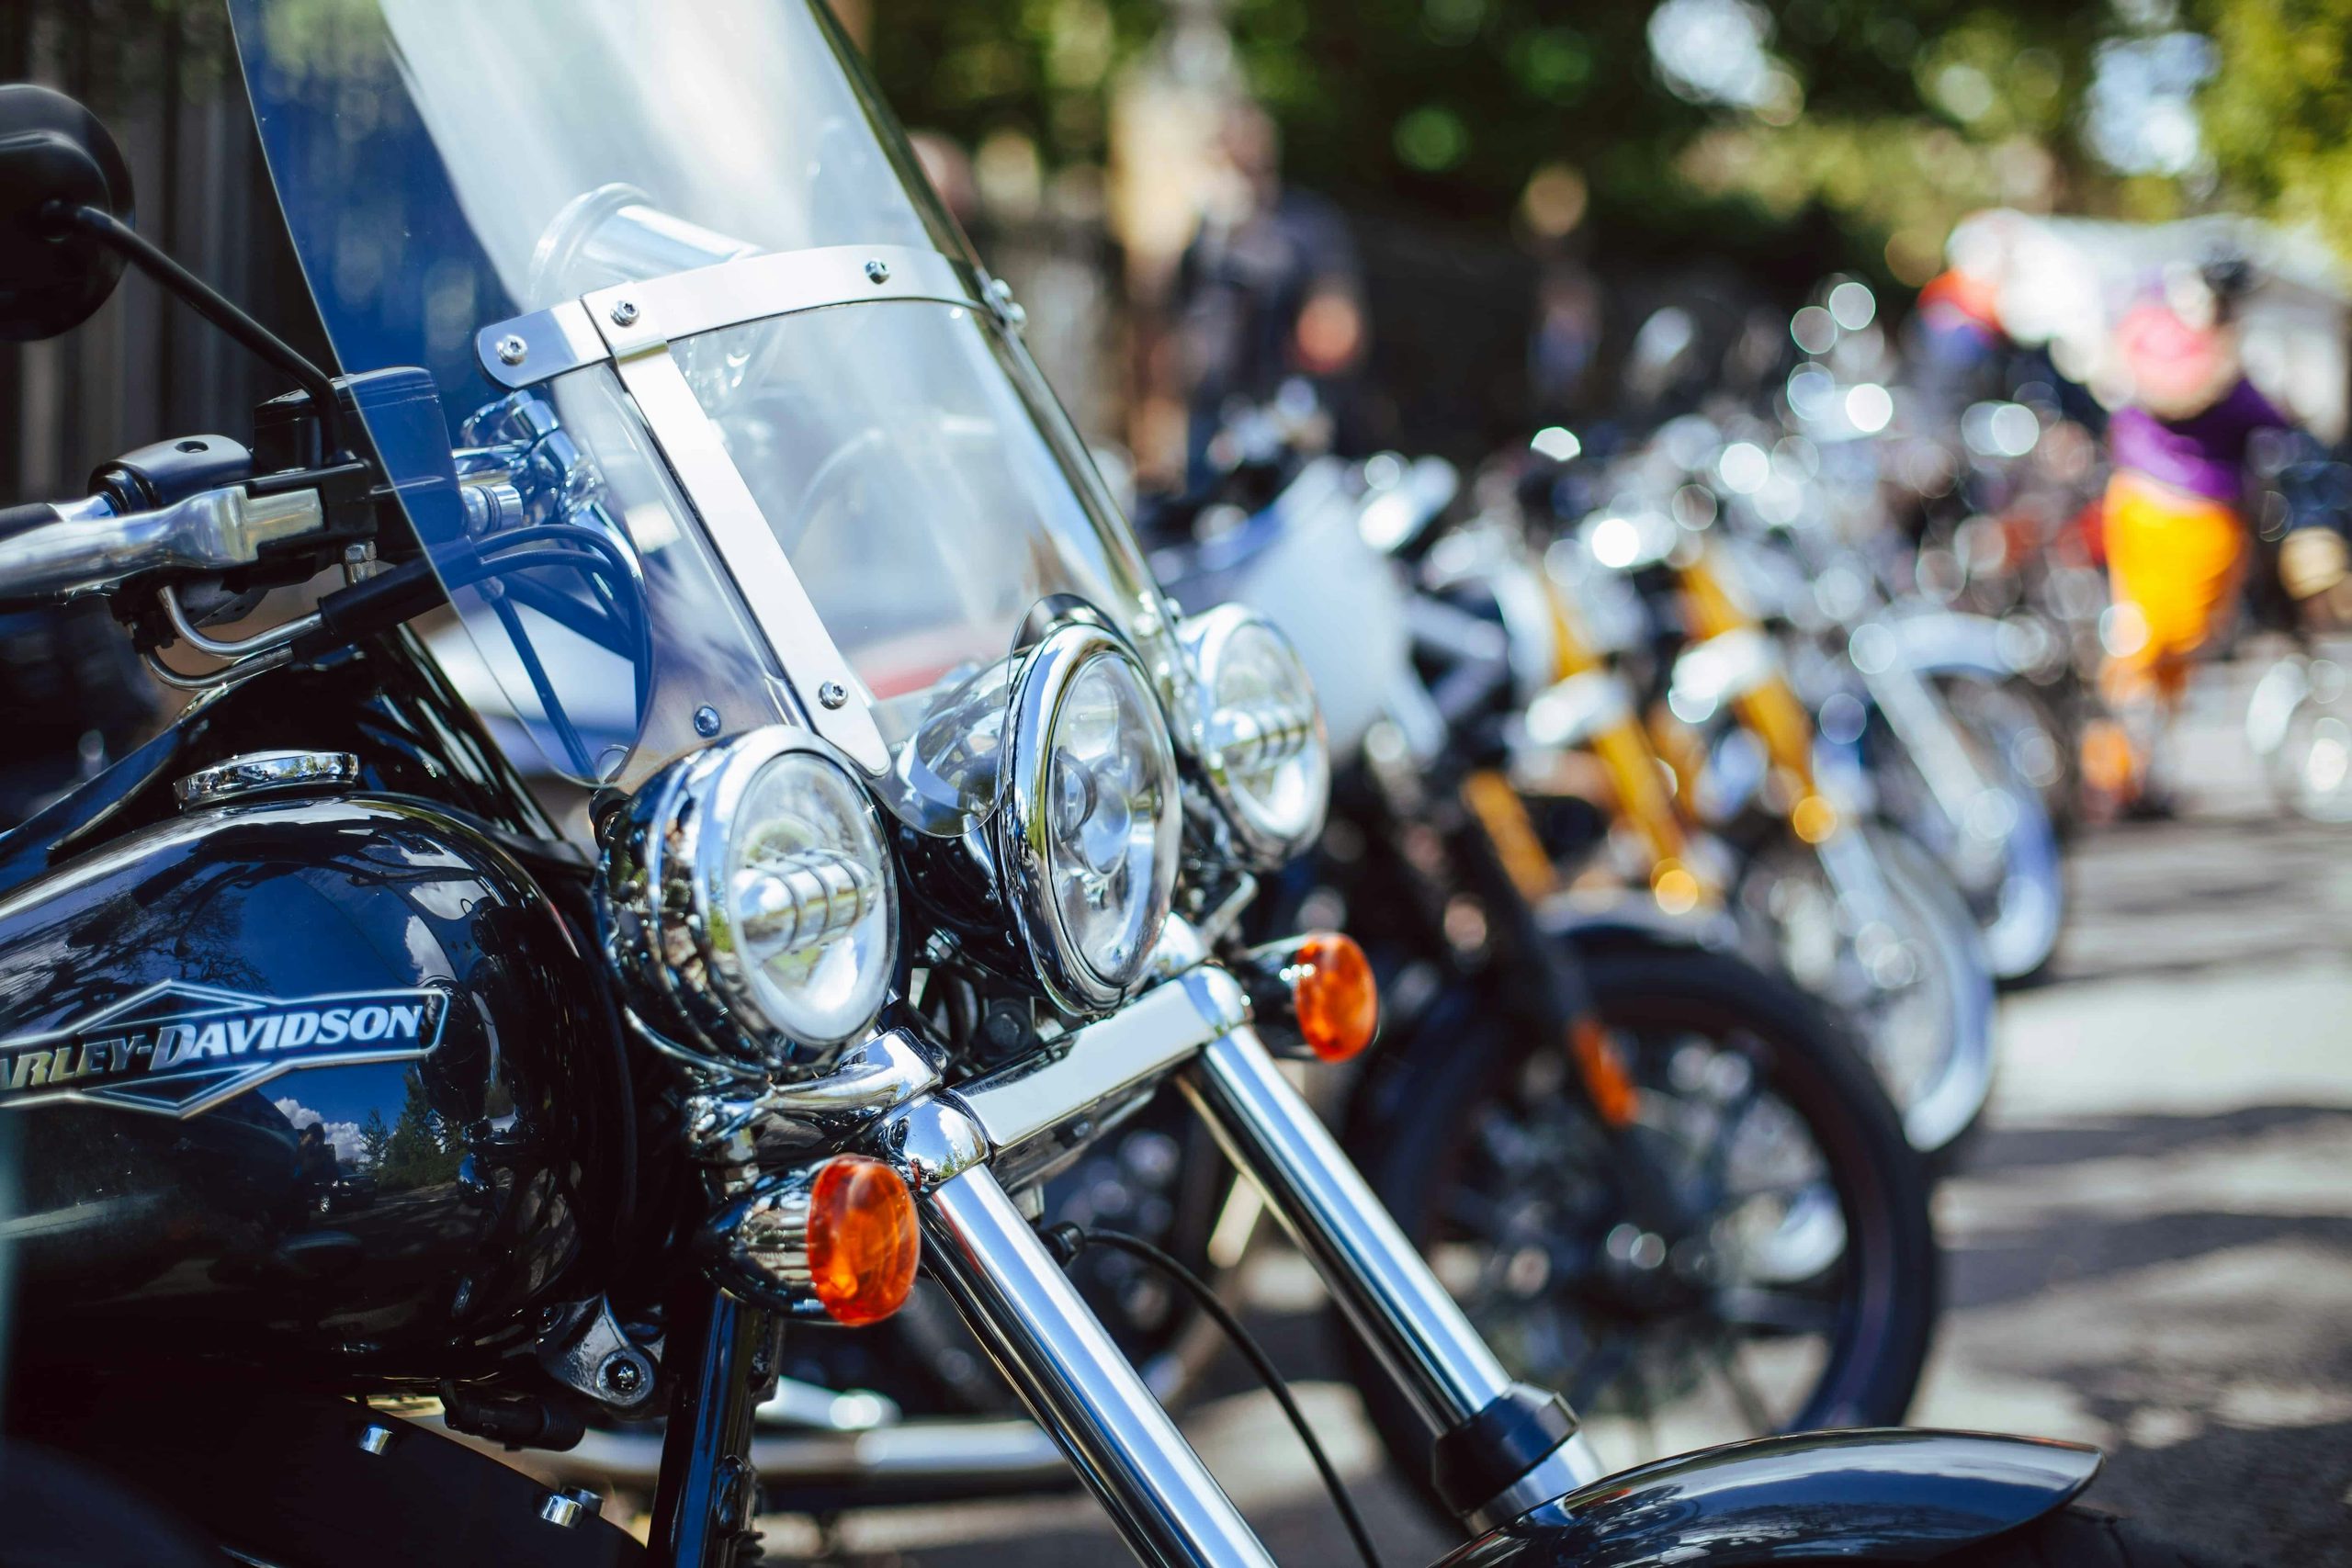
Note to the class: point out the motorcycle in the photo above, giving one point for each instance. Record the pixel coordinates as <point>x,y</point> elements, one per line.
<point>1855,909</point>
<point>2299,720</point>
<point>1657,1177</point>
<point>681,363</point>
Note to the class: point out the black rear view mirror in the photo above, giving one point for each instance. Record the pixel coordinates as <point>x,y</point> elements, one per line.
<point>55,156</point>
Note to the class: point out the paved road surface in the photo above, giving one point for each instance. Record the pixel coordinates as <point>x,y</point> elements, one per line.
<point>2151,1242</point>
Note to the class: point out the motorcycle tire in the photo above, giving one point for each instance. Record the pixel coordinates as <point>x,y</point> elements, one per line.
<point>1886,1296</point>
<point>1942,1102</point>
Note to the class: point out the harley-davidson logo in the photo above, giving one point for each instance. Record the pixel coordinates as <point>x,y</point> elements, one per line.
<point>180,1049</point>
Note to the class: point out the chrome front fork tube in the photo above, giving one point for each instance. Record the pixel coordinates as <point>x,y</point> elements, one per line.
<point>1928,731</point>
<point>1076,1382</point>
<point>1501,1447</point>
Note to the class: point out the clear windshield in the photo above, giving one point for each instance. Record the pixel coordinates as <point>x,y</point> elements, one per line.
<point>449,165</point>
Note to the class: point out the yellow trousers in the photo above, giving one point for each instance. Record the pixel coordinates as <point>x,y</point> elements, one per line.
<point>2172,561</point>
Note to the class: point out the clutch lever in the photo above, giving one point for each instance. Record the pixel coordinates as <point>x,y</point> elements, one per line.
<point>222,530</point>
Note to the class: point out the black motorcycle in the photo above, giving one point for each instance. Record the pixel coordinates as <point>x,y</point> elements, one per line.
<point>664,375</point>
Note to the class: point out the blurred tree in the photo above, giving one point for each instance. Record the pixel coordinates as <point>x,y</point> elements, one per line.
<point>1713,120</point>
<point>2277,111</point>
<point>1723,123</point>
<point>1038,70</point>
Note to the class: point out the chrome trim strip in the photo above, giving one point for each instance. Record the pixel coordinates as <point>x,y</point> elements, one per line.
<point>257,771</point>
<point>1105,1062</point>
<point>1048,1343</point>
<point>628,318</point>
<point>714,487</point>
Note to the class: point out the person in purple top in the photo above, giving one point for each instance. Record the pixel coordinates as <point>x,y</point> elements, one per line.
<point>2177,545</point>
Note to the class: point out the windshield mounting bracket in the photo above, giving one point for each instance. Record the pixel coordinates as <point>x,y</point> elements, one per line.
<point>524,351</point>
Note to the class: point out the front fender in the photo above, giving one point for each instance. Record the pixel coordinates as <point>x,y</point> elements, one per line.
<point>1633,919</point>
<point>1950,642</point>
<point>1884,1495</point>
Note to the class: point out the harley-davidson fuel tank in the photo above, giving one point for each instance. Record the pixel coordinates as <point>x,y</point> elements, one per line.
<point>305,1079</point>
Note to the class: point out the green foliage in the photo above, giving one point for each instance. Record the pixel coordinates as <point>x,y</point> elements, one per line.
<point>421,1150</point>
<point>2278,115</point>
<point>1910,115</point>
<point>1039,67</point>
<point>375,1138</point>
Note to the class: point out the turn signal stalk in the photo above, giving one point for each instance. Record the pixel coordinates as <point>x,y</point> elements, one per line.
<point>837,1240</point>
<point>1320,986</point>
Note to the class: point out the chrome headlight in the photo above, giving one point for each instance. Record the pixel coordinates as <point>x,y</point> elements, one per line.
<point>748,901</point>
<point>1260,733</point>
<point>1087,836</point>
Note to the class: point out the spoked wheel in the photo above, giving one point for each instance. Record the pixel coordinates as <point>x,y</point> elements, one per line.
<point>1750,1254</point>
<point>1910,976</point>
<point>2003,854</point>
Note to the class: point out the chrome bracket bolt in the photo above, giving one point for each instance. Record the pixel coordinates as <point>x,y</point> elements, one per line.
<point>513,350</point>
<point>833,693</point>
<point>877,271</point>
<point>375,1438</point>
<point>706,721</point>
<point>1008,309</point>
<point>624,314</point>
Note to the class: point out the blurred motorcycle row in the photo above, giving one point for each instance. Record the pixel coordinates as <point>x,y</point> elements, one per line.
<point>1698,782</point>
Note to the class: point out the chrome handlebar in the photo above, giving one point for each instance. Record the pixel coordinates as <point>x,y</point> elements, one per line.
<point>85,550</point>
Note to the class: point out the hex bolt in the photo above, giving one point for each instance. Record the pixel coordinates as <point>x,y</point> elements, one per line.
<point>513,350</point>
<point>624,314</point>
<point>833,693</point>
<point>877,271</point>
<point>375,1438</point>
<point>566,1508</point>
<point>621,1376</point>
<point>706,721</point>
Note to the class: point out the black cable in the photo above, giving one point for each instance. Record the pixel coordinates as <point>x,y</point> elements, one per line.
<point>1067,1239</point>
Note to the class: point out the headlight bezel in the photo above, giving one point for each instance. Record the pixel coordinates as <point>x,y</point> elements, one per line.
<point>1265,838</point>
<point>666,869</point>
<point>1024,836</point>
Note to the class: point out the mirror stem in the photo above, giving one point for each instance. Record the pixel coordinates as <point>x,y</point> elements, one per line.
<point>216,308</point>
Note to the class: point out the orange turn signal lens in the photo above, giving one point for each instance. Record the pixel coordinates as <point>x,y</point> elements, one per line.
<point>862,1240</point>
<point>1333,995</point>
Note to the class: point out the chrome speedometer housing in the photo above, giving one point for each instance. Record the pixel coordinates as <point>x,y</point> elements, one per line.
<point>748,897</point>
<point>1086,839</point>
